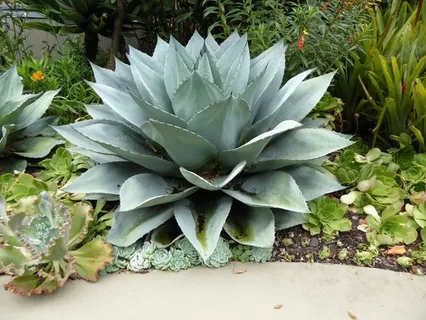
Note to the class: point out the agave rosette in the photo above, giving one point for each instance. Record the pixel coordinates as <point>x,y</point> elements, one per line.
<point>23,132</point>
<point>200,138</point>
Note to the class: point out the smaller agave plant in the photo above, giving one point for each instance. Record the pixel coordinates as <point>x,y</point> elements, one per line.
<point>43,245</point>
<point>23,132</point>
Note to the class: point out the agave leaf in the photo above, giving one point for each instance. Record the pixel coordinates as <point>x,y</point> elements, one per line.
<point>217,76</point>
<point>35,147</point>
<point>81,216</point>
<point>91,258</point>
<point>172,139</point>
<point>195,44</point>
<point>6,130</point>
<point>238,80</point>
<point>160,51</point>
<point>148,61</point>
<point>202,220</point>
<point>35,110</point>
<point>126,144</point>
<point>166,234</point>
<point>303,144</point>
<point>113,79</point>
<point>251,226</point>
<point>70,132</point>
<point>222,123</point>
<point>304,98</point>
<point>175,70</point>
<point>315,123</point>
<point>313,183</point>
<point>211,42</point>
<point>225,45</point>
<point>150,84</point>
<point>40,127</point>
<point>13,108</point>
<point>184,54</point>
<point>285,219</point>
<point>193,95</point>
<point>251,150</point>
<point>152,190</point>
<point>215,183</point>
<point>102,112</point>
<point>122,103</point>
<point>96,156</point>
<point>274,189</point>
<point>10,85</point>
<point>123,69</point>
<point>128,227</point>
<point>260,62</point>
<point>204,68</point>
<point>159,114</point>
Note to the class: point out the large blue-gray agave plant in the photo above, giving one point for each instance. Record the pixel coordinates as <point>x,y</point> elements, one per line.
<point>200,138</point>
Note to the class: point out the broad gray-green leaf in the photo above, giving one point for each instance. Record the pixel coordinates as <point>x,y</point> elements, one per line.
<point>232,55</point>
<point>160,51</point>
<point>204,68</point>
<point>251,226</point>
<point>104,178</point>
<point>10,165</point>
<point>112,79</point>
<point>271,108</point>
<point>222,123</point>
<point>123,69</point>
<point>313,183</point>
<point>128,227</point>
<point>41,127</point>
<point>159,114</point>
<point>96,156</point>
<point>273,189</point>
<point>273,164</point>
<point>147,190</point>
<point>217,76</point>
<point>215,183</point>
<point>195,44</point>
<point>127,144</point>
<point>211,42</point>
<point>285,219</point>
<point>122,103</point>
<point>202,220</point>
<point>174,139</point>
<point>184,54</point>
<point>193,95</point>
<point>5,131</point>
<point>35,147</point>
<point>11,110</point>
<point>103,112</point>
<point>304,98</point>
<point>240,79</point>
<point>250,151</point>
<point>304,144</point>
<point>225,45</point>
<point>261,61</point>
<point>166,234</point>
<point>315,123</point>
<point>150,84</point>
<point>175,71</point>
<point>70,133</point>
<point>10,85</point>
<point>148,61</point>
<point>35,110</point>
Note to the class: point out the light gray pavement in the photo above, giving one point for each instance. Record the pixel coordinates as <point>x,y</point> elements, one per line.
<point>305,291</point>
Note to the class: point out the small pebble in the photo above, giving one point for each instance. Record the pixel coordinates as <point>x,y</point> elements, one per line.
<point>314,242</point>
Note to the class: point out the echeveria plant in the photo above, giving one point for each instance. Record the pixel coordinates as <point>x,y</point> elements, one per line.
<point>23,132</point>
<point>43,245</point>
<point>208,136</point>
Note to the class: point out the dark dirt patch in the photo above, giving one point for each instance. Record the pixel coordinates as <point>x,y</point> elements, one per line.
<point>307,248</point>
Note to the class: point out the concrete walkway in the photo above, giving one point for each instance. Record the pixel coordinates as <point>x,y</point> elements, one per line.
<point>285,291</point>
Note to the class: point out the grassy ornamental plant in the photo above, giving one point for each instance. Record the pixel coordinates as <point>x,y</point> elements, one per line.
<point>204,138</point>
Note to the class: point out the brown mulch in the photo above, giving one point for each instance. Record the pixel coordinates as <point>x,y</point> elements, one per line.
<point>306,248</point>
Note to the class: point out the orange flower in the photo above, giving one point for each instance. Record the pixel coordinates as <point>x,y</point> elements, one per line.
<point>37,76</point>
<point>301,42</point>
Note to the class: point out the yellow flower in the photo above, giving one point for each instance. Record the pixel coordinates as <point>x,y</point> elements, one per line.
<point>305,32</point>
<point>37,76</point>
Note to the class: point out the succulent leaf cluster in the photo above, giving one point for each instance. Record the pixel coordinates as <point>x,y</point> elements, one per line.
<point>44,245</point>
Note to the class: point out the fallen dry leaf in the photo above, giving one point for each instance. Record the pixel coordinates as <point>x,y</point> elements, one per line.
<point>352,316</point>
<point>396,251</point>
<point>278,306</point>
<point>240,271</point>
<point>362,221</point>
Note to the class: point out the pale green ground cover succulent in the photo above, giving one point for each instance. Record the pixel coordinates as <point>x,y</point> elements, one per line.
<point>204,138</point>
<point>44,245</point>
<point>23,134</point>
